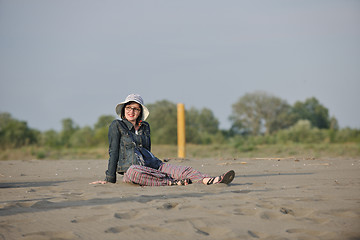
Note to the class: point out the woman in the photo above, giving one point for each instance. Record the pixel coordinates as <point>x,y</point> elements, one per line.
<point>132,130</point>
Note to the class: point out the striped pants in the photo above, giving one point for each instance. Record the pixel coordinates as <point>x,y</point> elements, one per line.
<point>146,176</point>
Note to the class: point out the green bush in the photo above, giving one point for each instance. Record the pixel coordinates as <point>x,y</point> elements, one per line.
<point>301,132</point>
<point>347,135</point>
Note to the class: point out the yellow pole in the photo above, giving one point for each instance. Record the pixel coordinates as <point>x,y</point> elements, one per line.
<point>181,129</point>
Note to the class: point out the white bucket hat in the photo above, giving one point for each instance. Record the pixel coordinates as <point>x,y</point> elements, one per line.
<point>133,98</point>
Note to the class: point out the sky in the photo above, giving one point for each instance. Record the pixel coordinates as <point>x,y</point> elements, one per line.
<point>78,58</point>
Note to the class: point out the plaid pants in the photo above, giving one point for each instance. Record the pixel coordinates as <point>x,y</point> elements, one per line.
<point>146,176</point>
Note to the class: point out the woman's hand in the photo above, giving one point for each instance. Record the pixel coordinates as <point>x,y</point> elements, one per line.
<point>99,182</point>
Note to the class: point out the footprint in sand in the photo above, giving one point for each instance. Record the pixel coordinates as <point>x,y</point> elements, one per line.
<point>310,215</point>
<point>94,218</point>
<point>215,232</point>
<point>255,234</point>
<point>245,211</point>
<point>344,213</point>
<point>117,229</point>
<point>266,205</point>
<point>50,235</point>
<point>295,214</point>
<point>317,220</point>
<point>142,229</point>
<point>304,231</point>
<point>268,215</point>
<point>284,210</point>
<point>168,206</point>
<point>16,205</point>
<point>43,204</point>
<point>127,215</point>
<point>71,195</point>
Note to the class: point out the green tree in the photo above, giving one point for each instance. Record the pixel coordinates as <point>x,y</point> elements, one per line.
<point>260,112</point>
<point>334,124</point>
<point>104,121</point>
<point>83,137</point>
<point>15,133</point>
<point>163,122</point>
<point>312,110</point>
<point>5,118</point>
<point>68,129</point>
<point>101,129</point>
<point>51,138</point>
<point>201,126</point>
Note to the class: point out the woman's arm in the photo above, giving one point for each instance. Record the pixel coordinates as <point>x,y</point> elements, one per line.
<point>114,136</point>
<point>146,136</point>
<point>149,139</point>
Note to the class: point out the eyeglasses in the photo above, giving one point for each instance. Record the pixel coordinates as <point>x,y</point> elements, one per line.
<point>133,109</point>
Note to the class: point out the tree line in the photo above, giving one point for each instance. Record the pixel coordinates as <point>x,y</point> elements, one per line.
<point>257,118</point>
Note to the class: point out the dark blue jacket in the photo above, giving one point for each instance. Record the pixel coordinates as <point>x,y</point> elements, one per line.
<point>121,146</point>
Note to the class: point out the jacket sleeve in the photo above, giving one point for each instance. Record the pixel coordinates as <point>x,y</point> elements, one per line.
<point>149,138</point>
<point>114,136</point>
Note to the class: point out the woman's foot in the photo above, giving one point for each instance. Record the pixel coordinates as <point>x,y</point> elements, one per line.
<point>183,182</point>
<point>225,178</point>
<point>99,182</point>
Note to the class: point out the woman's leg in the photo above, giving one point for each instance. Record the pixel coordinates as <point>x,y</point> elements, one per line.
<point>167,173</point>
<point>182,172</point>
<point>146,176</point>
<point>224,178</point>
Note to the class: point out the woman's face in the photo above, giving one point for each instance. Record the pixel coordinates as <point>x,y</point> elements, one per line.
<point>132,112</point>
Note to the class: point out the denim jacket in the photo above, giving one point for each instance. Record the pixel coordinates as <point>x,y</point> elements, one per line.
<point>121,147</point>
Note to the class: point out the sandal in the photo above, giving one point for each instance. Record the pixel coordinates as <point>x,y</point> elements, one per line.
<point>225,178</point>
<point>182,182</point>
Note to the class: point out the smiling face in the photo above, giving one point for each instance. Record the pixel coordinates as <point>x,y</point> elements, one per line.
<point>132,111</point>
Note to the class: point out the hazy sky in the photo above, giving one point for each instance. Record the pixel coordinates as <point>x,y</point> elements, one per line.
<point>78,59</point>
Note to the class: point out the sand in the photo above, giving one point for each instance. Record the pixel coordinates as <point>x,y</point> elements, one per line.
<point>268,199</point>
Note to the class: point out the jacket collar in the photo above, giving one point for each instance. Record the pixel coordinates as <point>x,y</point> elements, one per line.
<point>128,124</point>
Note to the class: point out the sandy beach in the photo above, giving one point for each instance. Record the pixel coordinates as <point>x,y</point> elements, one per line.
<point>269,199</point>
